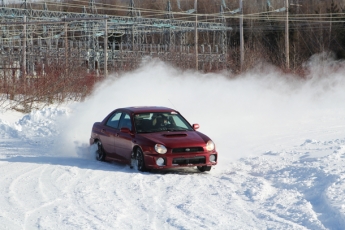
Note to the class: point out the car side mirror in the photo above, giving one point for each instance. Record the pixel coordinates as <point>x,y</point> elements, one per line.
<point>125,130</point>
<point>195,126</point>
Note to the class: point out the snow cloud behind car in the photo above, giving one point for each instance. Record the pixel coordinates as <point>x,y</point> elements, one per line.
<point>235,111</point>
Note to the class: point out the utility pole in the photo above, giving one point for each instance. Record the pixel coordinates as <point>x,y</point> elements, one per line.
<point>66,47</point>
<point>105,48</point>
<point>241,35</point>
<point>24,48</point>
<point>287,54</point>
<point>196,36</point>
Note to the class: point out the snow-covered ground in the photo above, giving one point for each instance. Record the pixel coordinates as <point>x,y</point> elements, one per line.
<point>281,144</point>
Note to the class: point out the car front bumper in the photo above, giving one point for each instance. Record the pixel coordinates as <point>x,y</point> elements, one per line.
<point>173,160</point>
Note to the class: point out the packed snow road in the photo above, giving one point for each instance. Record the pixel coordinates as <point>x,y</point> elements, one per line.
<point>281,144</point>
<point>278,190</point>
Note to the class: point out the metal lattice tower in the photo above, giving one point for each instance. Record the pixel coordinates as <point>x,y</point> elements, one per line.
<point>92,7</point>
<point>132,12</point>
<point>169,14</point>
<point>221,12</point>
<point>24,4</point>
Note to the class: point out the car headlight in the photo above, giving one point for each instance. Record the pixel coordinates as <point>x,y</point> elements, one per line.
<point>161,149</point>
<point>210,145</point>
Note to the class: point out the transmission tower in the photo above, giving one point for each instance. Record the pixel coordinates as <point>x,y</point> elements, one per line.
<point>169,14</point>
<point>221,12</point>
<point>25,5</point>
<point>132,12</point>
<point>45,7</point>
<point>92,7</point>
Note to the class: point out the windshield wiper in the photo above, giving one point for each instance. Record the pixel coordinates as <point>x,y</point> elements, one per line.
<point>171,130</point>
<point>176,130</point>
<point>147,132</point>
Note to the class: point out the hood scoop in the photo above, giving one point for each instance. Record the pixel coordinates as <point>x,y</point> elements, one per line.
<point>175,135</point>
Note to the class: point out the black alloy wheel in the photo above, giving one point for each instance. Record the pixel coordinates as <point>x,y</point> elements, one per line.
<point>100,155</point>
<point>140,160</point>
<point>204,168</point>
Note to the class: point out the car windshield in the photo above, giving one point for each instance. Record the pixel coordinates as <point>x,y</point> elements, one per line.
<point>157,122</point>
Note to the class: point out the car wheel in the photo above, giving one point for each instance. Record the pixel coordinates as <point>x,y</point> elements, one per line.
<point>140,160</point>
<point>100,155</point>
<point>204,168</point>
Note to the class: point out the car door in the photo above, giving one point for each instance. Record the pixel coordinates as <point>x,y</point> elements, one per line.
<point>110,131</point>
<point>123,142</point>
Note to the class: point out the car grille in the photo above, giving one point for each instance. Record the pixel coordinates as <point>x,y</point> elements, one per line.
<point>185,161</point>
<point>188,150</point>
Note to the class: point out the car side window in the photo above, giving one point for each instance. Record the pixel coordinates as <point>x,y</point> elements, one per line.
<point>126,122</point>
<point>113,121</point>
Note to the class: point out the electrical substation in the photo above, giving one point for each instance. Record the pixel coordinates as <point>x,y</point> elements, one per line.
<point>32,39</point>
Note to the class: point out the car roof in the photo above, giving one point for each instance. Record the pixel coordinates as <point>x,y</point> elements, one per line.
<point>148,109</point>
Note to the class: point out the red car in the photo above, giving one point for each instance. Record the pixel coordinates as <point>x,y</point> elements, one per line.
<point>152,138</point>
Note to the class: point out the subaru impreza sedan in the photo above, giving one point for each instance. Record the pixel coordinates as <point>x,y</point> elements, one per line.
<point>149,138</point>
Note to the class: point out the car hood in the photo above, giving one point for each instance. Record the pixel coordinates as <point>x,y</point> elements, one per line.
<point>178,139</point>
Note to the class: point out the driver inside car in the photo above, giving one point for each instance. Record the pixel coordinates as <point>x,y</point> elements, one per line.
<point>165,121</point>
<point>160,121</point>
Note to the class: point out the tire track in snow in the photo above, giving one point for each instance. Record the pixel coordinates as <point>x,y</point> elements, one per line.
<point>24,177</point>
<point>85,203</point>
<point>50,196</point>
<point>326,177</point>
<point>305,180</point>
<point>334,196</point>
<point>73,211</point>
<point>10,209</point>
<point>252,193</point>
<point>25,181</point>
<point>31,180</point>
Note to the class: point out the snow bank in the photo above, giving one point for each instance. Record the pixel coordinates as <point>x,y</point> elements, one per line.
<point>6,130</point>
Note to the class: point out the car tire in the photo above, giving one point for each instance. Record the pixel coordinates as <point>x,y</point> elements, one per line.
<point>100,154</point>
<point>204,168</point>
<point>140,162</point>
